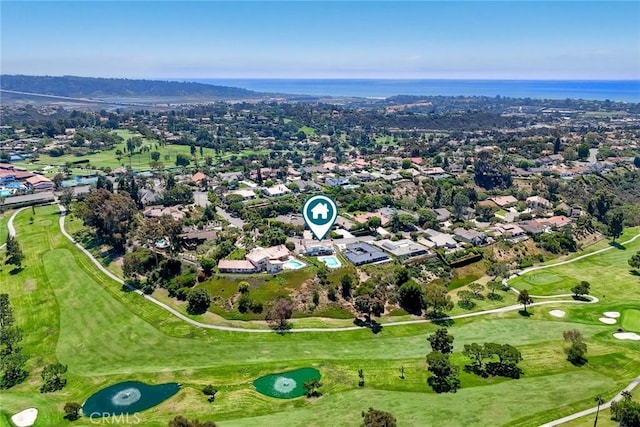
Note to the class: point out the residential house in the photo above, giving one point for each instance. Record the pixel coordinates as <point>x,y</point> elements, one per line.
<point>200,179</point>
<point>442,214</point>
<point>236,266</point>
<point>363,253</point>
<point>504,201</point>
<point>538,202</point>
<point>474,237</point>
<point>269,259</point>
<point>441,240</point>
<point>402,249</point>
<point>318,249</point>
<point>276,190</point>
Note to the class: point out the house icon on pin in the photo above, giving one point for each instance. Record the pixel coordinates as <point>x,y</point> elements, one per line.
<point>320,211</point>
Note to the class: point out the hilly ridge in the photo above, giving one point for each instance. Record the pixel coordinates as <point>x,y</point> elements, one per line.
<point>96,87</point>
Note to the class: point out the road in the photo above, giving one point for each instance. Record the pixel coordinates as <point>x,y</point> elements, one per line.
<point>236,222</point>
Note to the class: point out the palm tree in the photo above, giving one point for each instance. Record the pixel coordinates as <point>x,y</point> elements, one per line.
<point>599,400</point>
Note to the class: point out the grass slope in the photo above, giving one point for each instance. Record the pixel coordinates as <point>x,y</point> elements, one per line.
<point>75,315</point>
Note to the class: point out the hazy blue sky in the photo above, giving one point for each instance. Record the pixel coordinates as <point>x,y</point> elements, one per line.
<point>171,39</point>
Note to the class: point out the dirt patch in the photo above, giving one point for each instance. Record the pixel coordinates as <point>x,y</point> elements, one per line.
<point>30,285</point>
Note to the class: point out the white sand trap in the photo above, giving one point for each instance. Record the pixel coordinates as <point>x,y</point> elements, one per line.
<point>627,336</point>
<point>25,418</point>
<point>612,314</point>
<point>607,320</point>
<point>557,313</point>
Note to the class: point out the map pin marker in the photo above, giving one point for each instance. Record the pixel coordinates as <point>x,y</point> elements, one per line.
<point>319,213</point>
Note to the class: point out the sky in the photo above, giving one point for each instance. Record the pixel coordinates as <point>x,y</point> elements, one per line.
<point>545,40</point>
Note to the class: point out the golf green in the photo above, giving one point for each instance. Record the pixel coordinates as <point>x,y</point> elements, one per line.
<point>542,279</point>
<point>127,398</point>
<point>286,385</point>
<point>631,320</point>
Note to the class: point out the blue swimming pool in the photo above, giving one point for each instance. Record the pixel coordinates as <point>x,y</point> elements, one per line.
<point>293,264</point>
<point>330,261</point>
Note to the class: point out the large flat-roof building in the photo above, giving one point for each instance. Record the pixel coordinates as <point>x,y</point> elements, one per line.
<point>402,249</point>
<point>364,253</point>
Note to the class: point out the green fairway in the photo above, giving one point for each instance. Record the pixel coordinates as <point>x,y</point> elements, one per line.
<point>541,279</point>
<point>74,314</point>
<point>631,320</point>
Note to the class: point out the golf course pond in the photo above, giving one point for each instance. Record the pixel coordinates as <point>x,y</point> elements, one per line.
<point>286,385</point>
<point>127,398</point>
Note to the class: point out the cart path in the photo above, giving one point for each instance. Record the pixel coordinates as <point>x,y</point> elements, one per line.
<point>593,410</point>
<point>592,300</point>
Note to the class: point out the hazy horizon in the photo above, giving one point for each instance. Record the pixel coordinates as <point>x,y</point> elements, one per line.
<point>520,41</point>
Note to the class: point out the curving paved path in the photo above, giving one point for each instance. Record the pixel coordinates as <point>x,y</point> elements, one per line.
<point>10,227</point>
<point>593,410</point>
<point>346,328</point>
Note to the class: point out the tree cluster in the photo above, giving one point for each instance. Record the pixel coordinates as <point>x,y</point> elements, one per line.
<point>51,375</point>
<point>377,418</point>
<point>445,374</point>
<point>12,360</point>
<point>483,360</point>
<point>14,253</point>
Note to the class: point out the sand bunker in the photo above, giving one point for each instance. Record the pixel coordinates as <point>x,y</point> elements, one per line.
<point>627,336</point>
<point>557,313</point>
<point>612,314</point>
<point>25,418</point>
<point>607,320</point>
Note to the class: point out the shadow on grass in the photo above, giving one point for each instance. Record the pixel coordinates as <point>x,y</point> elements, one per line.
<point>635,273</point>
<point>525,313</point>
<point>617,245</point>
<point>375,327</point>
<point>495,297</point>
<point>579,362</point>
<point>15,270</point>
<point>440,319</point>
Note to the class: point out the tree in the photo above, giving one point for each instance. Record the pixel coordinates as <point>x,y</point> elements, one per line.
<point>360,378</point>
<point>72,411</point>
<point>57,181</point>
<point>436,298</point>
<point>104,183</point>
<point>6,312</point>
<point>491,170</point>
<point>577,348</point>
<point>493,286</point>
<point>410,297</point>
<point>556,145</point>
<point>599,401</point>
<point>441,341</point>
<point>111,215</point>
<point>12,367</point>
<point>581,288</point>
<point>51,375</point>
<point>525,299</point>
<point>634,261</point>
<point>14,253</point>
<point>377,418</point>
<point>477,353</point>
<point>66,197</point>
<point>465,300</point>
<point>211,391</point>
<point>583,151</point>
<point>346,285</point>
<point>182,160</point>
<point>312,387</point>
<point>278,314</point>
<point>508,359</point>
<point>155,156</point>
<point>198,301</point>
<point>460,203</point>
<point>207,265</point>
<point>615,222</point>
<point>477,289</point>
<point>445,375</point>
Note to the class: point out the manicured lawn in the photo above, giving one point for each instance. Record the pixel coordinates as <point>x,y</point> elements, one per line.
<point>75,315</point>
<point>631,320</point>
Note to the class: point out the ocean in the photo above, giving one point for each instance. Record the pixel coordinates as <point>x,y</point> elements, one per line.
<point>619,90</point>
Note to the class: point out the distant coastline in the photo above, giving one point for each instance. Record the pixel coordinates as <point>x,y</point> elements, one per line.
<point>618,90</point>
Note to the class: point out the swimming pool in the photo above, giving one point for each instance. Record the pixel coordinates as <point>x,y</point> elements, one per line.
<point>293,264</point>
<point>330,261</point>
